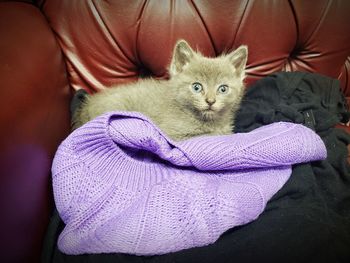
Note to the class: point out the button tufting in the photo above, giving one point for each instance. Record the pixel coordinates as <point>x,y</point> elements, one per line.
<point>145,72</point>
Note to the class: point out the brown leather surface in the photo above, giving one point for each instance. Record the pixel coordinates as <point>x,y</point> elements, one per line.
<point>24,1</point>
<point>108,42</point>
<point>344,78</point>
<point>34,118</point>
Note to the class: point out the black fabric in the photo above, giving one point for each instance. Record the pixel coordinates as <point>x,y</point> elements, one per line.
<point>308,220</point>
<point>78,98</point>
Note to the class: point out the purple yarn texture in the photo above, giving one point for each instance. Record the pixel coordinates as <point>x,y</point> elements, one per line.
<point>121,185</point>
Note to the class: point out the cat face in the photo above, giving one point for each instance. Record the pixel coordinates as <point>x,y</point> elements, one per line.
<point>210,87</point>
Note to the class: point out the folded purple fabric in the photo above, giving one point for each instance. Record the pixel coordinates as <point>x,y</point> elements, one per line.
<point>120,185</point>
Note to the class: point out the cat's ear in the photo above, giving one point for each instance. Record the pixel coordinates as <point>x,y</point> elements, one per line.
<point>238,59</point>
<point>182,55</point>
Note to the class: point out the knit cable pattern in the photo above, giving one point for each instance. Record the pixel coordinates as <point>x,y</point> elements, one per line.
<point>120,185</point>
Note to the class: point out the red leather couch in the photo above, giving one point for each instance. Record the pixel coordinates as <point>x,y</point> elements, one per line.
<point>49,48</point>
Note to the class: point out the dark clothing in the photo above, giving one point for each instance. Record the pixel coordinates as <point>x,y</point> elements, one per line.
<point>308,220</point>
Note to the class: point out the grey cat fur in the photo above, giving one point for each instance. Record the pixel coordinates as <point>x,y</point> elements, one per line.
<point>172,104</point>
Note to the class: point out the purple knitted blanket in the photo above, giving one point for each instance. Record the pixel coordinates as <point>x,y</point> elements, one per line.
<point>120,185</point>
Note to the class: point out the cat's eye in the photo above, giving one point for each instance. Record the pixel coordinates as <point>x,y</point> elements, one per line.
<point>197,87</point>
<point>223,89</point>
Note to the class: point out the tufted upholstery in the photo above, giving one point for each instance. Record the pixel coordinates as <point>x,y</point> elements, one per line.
<point>108,42</point>
<point>48,46</point>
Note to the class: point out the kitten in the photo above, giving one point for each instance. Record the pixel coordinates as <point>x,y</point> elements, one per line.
<point>201,96</point>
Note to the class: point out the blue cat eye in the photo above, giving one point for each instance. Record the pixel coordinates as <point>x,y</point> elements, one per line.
<point>197,87</point>
<point>223,89</point>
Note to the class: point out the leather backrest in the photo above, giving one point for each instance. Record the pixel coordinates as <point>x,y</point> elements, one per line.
<point>34,118</point>
<point>109,42</point>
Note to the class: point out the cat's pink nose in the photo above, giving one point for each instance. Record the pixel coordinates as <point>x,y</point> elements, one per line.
<point>210,101</point>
